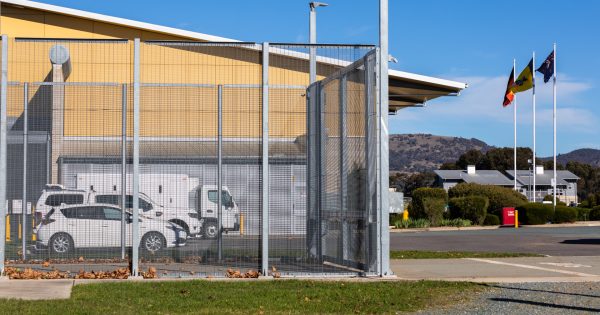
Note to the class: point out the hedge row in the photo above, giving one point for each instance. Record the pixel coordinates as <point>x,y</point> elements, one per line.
<point>498,197</point>
<point>538,213</point>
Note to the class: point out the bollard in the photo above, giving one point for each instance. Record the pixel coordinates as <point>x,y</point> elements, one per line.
<point>20,231</point>
<point>516,219</point>
<point>241,224</point>
<point>405,215</point>
<point>7,228</point>
<point>33,236</point>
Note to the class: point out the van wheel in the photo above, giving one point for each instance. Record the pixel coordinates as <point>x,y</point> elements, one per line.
<point>210,230</point>
<point>61,244</point>
<point>153,242</point>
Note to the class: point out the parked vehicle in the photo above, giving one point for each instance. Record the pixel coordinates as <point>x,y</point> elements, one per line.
<point>176,193</point>
<point>195,208</point>
<point>68,227</point>
<point>186,218</point>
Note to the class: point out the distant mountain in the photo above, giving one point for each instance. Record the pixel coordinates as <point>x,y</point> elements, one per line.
<point>588,156</point>
<point>424,152</point>
<point>413,153</point>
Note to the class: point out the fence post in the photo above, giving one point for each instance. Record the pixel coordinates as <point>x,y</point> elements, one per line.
<point>123,167</point>
<point>136,159</point>
<point>371,162</point>
<point>3,150</point>
<point>220,171</point>
<point>25,141</point>
<point>265,161</point>
<point>343,251</point>
<point>383,209</point>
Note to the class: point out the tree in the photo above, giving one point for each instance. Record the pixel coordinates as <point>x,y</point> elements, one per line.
<point>408,182</point>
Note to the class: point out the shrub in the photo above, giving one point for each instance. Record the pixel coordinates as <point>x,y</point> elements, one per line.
<point>558,202</point>
<point>595,213</point>
<point>491,219</point>
<point>434,209</point>
<point>412,224</point>
<point>583,214</point>
<point>455,222</point>
<point>498,197</point>
<point>473,208</point>
<point>417,209</point>
<point>565,215</point>
<point>535,213</point>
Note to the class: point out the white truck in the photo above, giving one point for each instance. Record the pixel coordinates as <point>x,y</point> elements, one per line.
<point>176,198</point>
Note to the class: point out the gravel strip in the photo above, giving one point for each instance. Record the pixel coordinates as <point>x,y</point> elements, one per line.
<point>531,299</point>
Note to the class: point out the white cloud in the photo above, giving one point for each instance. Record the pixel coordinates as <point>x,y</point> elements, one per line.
<point>482,102</point>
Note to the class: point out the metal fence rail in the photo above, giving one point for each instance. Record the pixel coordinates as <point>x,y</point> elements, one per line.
<point>188,159</point>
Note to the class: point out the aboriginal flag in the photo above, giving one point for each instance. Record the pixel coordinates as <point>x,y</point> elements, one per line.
<point>509,95</point>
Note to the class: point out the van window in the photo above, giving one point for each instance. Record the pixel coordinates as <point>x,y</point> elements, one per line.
<point>69,199</point>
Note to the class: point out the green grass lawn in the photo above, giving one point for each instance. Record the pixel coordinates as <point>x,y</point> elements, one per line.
<point>249,297</point>
<point>422,254</point>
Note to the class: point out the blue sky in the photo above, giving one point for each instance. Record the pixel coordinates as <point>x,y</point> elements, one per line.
<point>469,41</point>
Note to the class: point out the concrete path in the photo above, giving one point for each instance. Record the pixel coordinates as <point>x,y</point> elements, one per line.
<point>36,289</point>
<point>501,270</point>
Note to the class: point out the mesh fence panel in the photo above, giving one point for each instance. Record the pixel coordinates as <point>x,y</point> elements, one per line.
<point>201,157</point>
<point>295,230</point>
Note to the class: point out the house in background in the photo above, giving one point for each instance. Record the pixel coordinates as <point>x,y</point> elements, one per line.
<point>566,181</point>
<point>566,184</point>
<point>450,178</point>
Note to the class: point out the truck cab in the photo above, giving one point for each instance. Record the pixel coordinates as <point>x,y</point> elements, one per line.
<point>207,199</point>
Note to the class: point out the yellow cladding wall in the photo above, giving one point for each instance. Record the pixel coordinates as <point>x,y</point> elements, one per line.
<point>165,111</point>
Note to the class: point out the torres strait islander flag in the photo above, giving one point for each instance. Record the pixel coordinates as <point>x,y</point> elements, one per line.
<point>509,95</point>
<point>525,80</point>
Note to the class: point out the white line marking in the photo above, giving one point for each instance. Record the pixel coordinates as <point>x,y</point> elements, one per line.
<point>566,265</point>
<point>580,274</point>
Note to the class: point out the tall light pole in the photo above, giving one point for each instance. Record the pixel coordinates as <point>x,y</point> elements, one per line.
<point>312,34</point>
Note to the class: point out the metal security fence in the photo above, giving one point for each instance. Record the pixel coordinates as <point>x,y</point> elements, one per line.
<point>189,159</point>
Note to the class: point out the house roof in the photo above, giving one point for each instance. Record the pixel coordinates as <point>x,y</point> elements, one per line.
<point>483,177</point>
<point>405,89</point>
<point>563,177</point>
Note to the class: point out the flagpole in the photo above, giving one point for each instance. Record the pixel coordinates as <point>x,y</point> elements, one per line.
<point>533,102</point>
<point>554,123</point>
<point>515,124</point>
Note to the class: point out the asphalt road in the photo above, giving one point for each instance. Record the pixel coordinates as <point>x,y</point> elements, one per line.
<point>559,241</point>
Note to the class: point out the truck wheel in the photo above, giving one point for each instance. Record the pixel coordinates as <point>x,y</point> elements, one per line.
<point>153,242</point>
<point>210,230</point>
<point>61,244</point>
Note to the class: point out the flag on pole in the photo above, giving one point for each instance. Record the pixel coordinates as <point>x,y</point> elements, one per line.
<point>525,80</point>
<point>509,95</point>
<point>547,67</point>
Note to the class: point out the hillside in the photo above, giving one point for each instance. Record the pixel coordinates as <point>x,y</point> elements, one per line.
<point>412,153</point>
<point>425,152</point>
<point>588,156</point>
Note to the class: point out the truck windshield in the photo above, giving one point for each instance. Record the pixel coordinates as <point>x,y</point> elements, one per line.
<point>226,199</point>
